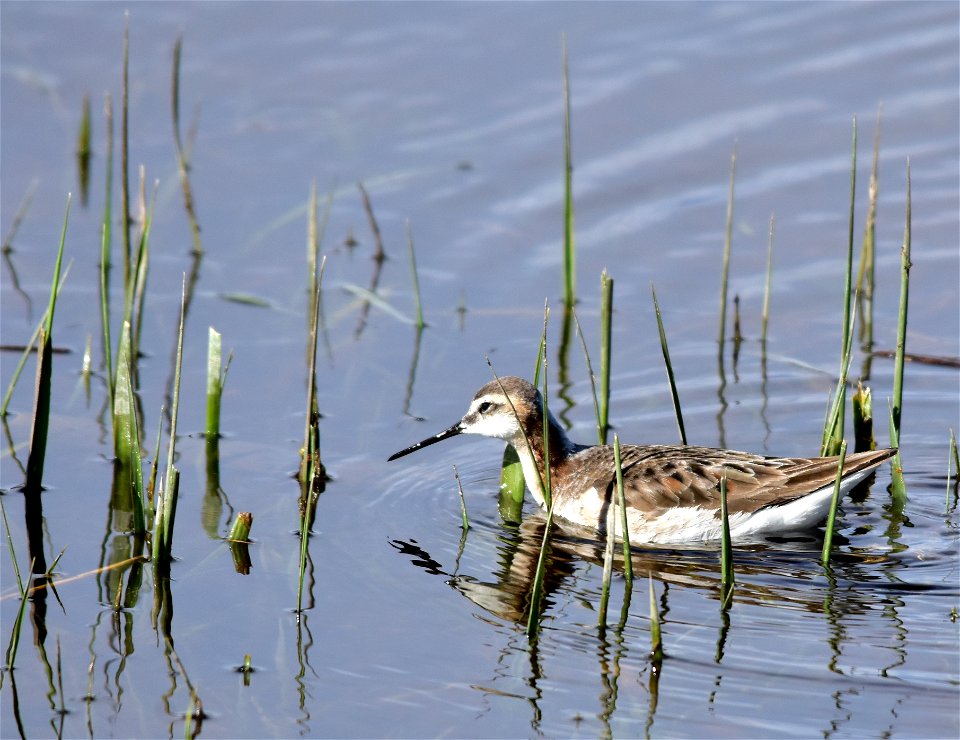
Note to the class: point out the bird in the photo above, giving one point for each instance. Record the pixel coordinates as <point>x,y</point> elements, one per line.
<point>671,492</point>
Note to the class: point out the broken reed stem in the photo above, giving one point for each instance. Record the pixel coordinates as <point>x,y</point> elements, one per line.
<point>674,394</point>
<point>240,531</point>
<point>834,502</point>
<point>216,377</point>
<point>606,326</point>
<point>725,271</point>
<point>953,462</point>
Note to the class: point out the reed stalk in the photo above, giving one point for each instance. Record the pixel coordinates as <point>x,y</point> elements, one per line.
<point>765,312</point>
<point>27,350</point>
<point>953,464</point>
<point>834,427</point>
<point>606,326</point>
<point>725,270</point>
<point>416,281</point>
<point>569,247</point>
<point>898,486</point>
<point>106,229</point>
<point>126,430</point>
<point>834,502</point>
<point>41,408</point>
<point>465,522</point>
<point>867,268</point>
<point>905,265</point>
<point>511,473</point>
<point>624,523</point>
<point>674,394</point>
<point>607,568</point>
<point>656,637</point>
<point>183,156</point>
<point>84,151</point>
<point>593,379</point>
<point>536,590</point>
<point>726,549</point>
<point>125,154</point>
<point>172,477</point>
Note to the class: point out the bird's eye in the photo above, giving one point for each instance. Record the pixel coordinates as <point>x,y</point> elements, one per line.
<point>484,407</point>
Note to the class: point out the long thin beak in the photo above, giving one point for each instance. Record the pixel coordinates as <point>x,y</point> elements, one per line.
<point>451,432</point>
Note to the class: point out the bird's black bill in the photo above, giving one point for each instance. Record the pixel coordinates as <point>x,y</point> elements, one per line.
<point>451,432</point>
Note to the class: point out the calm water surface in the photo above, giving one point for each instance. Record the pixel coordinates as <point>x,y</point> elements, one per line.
<point>450,115</point>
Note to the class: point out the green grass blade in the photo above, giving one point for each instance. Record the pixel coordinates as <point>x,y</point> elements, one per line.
<point>593,377</point>
<point>624,523</point>
<point>898,486</point>
<point>866,270</point>
<point>41,409</point>
<point>15,376</point>
<point>106,230</point>
<point>606,325</point>
<point>656,637</point>
<point>126,429</point>
<point>674,394</point>
<point>84,151</point>
<point>172,476</point>
<point>726,549</point>
<point>725,270</point>
<point>465,522</point>
<point>905,265</point>
<point>834,502</point>
<point>607,568</point>
<point>569,247</point>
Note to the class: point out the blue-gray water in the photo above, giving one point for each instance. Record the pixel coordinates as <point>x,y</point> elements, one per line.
<point>450,114</point>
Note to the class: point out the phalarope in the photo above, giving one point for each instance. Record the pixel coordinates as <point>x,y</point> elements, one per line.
<point>672,492</point>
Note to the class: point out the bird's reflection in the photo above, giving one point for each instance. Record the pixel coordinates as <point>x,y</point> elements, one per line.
<point>772,570</point>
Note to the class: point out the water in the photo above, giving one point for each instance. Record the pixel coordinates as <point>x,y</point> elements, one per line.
<point>450,114</point>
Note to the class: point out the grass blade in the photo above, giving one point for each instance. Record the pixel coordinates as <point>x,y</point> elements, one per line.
<point>569,254</point>
<point>656,638</point>
<point>606,325</point>
<point>834,502</point>
<point>905,265</point>
<point>666,359</point>
<point>416,281</point>
<point>725,270</point>
<point>866,270</point>
<point>126,430</point>
<point>765,312</point>
<point>624,523</point>
<point>726,549</point>
<point>41,408</point>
